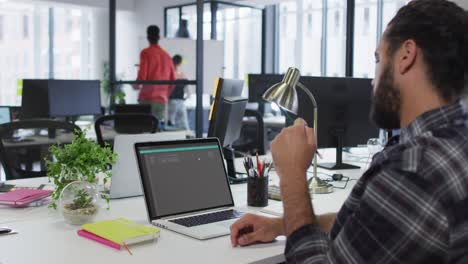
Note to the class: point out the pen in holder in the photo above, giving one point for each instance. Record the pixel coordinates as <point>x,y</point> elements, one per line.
<point>257,182</point>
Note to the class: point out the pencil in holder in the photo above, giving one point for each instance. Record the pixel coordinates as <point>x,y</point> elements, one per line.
<point>257,191</point>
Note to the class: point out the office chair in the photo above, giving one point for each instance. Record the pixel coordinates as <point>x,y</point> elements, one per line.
<point>131,123</point>
<point>245,143</point>
<point>21,148</point>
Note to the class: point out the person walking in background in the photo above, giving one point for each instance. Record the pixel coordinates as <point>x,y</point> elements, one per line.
<point>177,110</point>
<point>155,64</point>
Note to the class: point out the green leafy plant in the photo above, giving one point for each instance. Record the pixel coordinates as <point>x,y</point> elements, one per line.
<point>120,97</point>
<point>81,160</point>
<point>82,200</point>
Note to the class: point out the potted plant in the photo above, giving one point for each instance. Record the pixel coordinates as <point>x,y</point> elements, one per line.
<point>81,160</point>
<point>79,202</point>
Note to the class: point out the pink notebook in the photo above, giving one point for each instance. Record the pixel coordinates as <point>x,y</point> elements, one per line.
<point>23,197</point>
<point>98,239</point>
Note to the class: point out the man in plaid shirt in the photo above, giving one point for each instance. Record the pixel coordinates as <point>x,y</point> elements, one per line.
<point>411,206</point>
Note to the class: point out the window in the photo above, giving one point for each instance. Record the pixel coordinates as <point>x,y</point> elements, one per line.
<point>172,22</point>
<point>365,38</point>
<point>2,22</point>
<point>366,21</point>
<point>322,25</point>
<point>289,46</point>
<point>336,41</point>
<point>238,26</point>
<point>26,53</point>
<point>73,46</point>
<point>19,63</point>
<point>189,13</point>
<point>312,43</point>
<point>367,34</point>
<point>25,26</point>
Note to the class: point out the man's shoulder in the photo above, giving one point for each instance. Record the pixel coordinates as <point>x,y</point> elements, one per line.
<point>436,158</point>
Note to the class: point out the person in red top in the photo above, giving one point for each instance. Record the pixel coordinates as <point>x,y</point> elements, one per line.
<point>155,64</point>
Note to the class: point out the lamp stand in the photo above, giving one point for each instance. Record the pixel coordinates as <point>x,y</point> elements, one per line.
<point>317,185</point>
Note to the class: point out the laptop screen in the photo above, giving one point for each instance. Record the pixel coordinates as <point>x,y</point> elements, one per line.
<point>183,176</point>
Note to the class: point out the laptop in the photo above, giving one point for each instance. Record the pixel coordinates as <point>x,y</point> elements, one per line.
<point>186,188</point>
<point>125,180</point>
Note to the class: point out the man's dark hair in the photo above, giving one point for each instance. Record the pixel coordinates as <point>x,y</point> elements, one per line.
<point>177,59</point>
<point>152,33</point>
<point>440,30</point>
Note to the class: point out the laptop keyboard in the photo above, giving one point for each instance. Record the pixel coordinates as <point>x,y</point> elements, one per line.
<point>207,218</point>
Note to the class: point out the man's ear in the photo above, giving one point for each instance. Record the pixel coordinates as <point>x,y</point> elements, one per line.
<point>406,56</point>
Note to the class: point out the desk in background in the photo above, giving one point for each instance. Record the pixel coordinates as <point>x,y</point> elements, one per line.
<point>45,238</point>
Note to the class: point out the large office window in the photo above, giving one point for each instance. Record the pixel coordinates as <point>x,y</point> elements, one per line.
<point>240,27</point>
<point>369,15</point>
<point>336,38</point>
<point>312,36</point>
<point>72,44</point>
<point>365,38</point>
<point>25,49</point>
<point>312,39</point>
<point>289,46</point>
<point>189,13</point>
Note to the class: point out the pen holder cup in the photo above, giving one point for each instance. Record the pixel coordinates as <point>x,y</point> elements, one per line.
<point>257,191</point>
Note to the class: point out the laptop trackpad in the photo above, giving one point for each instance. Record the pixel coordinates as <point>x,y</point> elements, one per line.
<point>227,223</point>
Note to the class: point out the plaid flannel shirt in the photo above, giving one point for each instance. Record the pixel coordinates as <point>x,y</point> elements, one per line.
<point>410,206</point>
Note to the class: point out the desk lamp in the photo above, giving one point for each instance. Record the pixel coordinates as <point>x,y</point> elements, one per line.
<point>284,95</point>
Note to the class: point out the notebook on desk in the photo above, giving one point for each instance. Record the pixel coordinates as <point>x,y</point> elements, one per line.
<point>121,231</point>
<point>23,197</point>
<point>186,188</point>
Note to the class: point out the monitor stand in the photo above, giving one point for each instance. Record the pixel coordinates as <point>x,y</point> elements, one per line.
<point>229,156</point>
<point>338,165</point>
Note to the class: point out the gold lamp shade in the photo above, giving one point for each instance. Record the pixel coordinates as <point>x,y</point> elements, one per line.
<point>284,93</point>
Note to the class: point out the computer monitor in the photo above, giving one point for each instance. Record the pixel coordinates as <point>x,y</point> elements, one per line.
<point>127,126</point>
<point>71,98</point>
<point>35,99</point>
<point>343,110</point>
<point>223,88</point>
<point>227,128</point>
<point>343,114</point>
<point>5,115</point>
<point>132,109</point>
<point>259,83</point>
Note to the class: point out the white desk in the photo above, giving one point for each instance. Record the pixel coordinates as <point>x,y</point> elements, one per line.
<point>44,237</point>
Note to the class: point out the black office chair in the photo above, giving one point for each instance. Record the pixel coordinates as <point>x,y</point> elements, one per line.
<point>21,150</point>
<point>248,145</point>
<point>131,123</point>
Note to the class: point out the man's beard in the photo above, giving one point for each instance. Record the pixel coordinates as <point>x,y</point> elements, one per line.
<point>386,102</point>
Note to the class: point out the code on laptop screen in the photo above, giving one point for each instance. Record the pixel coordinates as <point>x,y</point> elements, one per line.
<point>183,177</point>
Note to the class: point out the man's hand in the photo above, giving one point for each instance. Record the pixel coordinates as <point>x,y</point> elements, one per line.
<point>293,149</point>
<point>254,228</point>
